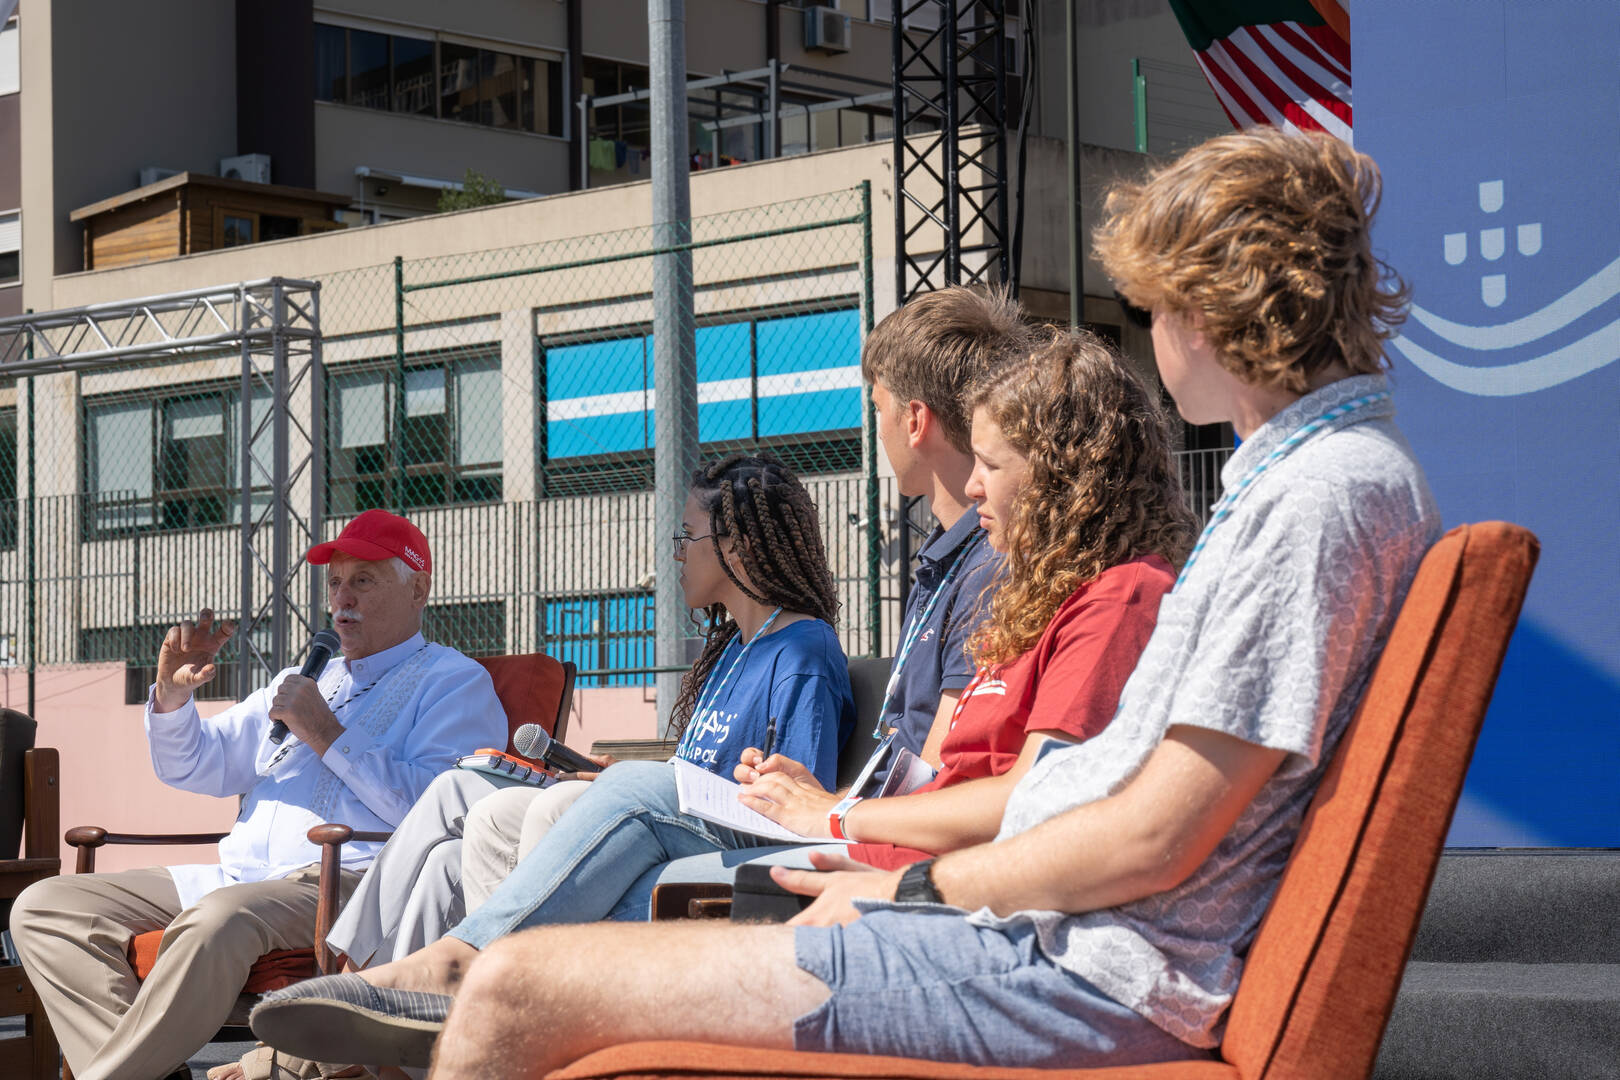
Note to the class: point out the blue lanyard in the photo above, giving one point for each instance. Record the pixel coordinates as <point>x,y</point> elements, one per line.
<point>1223,509</point>
<point>711,691</point>
<point>914,630</point>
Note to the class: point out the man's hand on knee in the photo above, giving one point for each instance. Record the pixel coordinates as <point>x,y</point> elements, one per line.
<point>836,884</point>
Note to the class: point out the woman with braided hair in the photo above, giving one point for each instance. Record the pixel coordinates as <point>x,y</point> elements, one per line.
<point>771,670</point>
<point>752,560</point>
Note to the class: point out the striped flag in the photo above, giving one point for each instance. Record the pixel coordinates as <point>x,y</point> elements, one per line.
<point>1281,62</point>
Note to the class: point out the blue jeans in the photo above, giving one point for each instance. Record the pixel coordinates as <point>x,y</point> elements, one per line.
<point>925,983</point>
<point>594,862</point>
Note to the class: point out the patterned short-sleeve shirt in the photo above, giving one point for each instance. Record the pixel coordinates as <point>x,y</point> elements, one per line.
<point>1271,636</point>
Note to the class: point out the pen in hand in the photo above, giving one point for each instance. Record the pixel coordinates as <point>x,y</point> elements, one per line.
<point>770,739</point>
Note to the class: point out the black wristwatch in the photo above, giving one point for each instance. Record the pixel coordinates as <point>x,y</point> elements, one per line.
<point>917,885</point>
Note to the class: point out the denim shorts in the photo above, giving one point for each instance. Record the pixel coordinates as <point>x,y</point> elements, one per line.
<point>927,984</point>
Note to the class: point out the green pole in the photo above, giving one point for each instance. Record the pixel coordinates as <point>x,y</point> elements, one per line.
<point>874,536</point>
<point>1139,104</point>
<point>33,548</point>
<point>396,471</point>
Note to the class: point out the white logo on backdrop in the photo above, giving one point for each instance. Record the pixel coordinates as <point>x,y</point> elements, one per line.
<point>1554,366</point>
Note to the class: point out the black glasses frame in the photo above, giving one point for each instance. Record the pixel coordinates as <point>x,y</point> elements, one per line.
<point>682,539</point>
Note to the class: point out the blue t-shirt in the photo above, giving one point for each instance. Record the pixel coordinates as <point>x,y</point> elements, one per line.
<point>797,674</point>
<point>939,661</point>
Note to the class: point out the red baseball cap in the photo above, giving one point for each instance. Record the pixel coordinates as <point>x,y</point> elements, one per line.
<point>376,535</point>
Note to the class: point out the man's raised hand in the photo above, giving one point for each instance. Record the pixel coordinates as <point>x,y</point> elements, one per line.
<point>186,660</point>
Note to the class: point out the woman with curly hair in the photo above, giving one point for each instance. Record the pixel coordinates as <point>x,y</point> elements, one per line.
<point>1076,486</point>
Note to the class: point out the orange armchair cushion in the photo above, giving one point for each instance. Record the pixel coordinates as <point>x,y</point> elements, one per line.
<point>531,687</point>
<point>647,1060</point>
<point>272,971</point>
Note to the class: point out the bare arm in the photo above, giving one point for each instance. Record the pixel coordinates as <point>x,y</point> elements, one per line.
<point>950,818</point>
<point>1148,838</point>
<point>941,725</point>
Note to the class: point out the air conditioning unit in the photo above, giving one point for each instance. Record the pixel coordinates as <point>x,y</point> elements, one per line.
<point>827,29</point>
<point>254,168</point>
<point>151,174</point>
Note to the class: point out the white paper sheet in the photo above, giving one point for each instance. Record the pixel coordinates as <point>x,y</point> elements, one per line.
<point>714,798</point>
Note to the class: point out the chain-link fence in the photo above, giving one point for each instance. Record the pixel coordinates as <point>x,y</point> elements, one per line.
<point>122,453</point>
<point>505,400</point>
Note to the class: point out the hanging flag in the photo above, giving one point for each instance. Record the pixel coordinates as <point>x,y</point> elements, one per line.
<point>1281,62</point>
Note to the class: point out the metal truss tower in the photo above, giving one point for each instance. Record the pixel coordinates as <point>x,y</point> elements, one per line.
<point>275,326</point>
<point>950,145</point>
<point>950,161</point>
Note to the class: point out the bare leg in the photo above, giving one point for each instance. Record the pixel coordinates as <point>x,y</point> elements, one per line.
<point>436,969</point>
<point>542,998</point>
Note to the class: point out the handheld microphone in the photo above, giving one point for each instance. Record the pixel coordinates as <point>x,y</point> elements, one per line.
<point>321,647</point>
<point>532,742</point>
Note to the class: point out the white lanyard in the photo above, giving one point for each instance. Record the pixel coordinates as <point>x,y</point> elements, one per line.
<point>914,629</point>
<point>711,692</point>
<point>1223,509</point>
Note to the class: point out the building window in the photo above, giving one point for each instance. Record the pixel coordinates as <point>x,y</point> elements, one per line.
<point>475,628</point>
<point>10,248</point>
<point>10,68</point>
<point>168,462</point>
<point>427,76</point>
<point>235,230</point>
<point>790,383</point>
<point>444,449</point>
<point>620,136</point>
<point>601,632</point>
<point>194,462</point>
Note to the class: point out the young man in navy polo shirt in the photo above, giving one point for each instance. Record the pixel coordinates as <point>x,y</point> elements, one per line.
<point>920,361</point>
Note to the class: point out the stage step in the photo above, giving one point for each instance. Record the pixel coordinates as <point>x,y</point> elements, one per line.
<point>1515,972</point>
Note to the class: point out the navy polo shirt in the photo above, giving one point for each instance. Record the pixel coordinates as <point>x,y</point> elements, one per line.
<point>939,661</point>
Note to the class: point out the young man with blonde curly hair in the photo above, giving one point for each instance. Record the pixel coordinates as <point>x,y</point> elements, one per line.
<point>1108,921</point>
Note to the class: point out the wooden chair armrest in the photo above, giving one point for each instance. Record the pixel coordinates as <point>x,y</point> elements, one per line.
<point>690,900</point>
<point>714,907</point>
<point>87,838</point>
<point>331,837</point>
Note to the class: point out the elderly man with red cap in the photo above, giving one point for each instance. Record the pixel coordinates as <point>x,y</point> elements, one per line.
<point>364,741</point>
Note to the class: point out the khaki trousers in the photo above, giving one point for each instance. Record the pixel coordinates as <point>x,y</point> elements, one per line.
<point>73,934</point>
<point>503,827</point>
<point>463,835</point>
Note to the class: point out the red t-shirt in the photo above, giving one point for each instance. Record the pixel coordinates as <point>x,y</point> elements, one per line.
<point>1069,681</point>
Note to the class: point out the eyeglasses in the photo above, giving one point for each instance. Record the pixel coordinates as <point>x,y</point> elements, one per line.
<point>1141,318</point>
<point>682,539</point>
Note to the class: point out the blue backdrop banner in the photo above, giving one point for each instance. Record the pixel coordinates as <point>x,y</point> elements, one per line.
<point>1497,125</point>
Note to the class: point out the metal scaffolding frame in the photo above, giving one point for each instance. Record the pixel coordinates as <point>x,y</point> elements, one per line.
<point>950,161</point>
<point>950,145</point>
<point>275,324</point>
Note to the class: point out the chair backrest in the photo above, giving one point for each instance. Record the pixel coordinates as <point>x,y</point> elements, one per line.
<point>1322,973</point>
<point>868,682</point>
<point>16,738</point>
<point>534,689</point>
